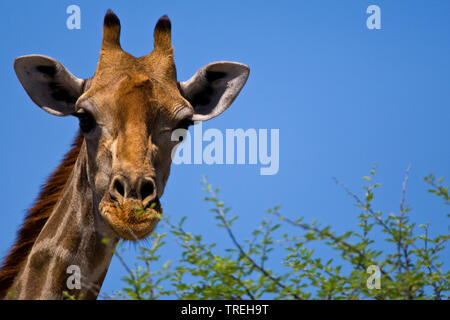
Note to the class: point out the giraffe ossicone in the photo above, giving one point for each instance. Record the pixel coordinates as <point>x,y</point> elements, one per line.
<point>109,184</point>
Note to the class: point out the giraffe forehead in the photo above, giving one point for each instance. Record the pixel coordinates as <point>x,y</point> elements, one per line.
<point>136,97</point>
<point>113,64</point>
<point>142,99</point>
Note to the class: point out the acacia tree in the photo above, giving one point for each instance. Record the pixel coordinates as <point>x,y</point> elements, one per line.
<point>406,265</point>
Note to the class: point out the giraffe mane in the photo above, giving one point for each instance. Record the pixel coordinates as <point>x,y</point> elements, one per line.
<point>37,216</point>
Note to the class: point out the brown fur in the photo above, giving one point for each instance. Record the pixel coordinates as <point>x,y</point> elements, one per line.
<point>37,217</point>
<point>127,112</point>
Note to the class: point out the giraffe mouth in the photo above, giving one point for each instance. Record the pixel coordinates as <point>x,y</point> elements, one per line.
<point>129,219</point>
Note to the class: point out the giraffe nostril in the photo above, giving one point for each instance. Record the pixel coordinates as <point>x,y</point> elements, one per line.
<point>147,189</point>
<point>143,189</point>
<point>117,189</point>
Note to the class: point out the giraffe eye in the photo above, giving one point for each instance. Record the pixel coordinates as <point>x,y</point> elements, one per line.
<point>87,121</point>
<point>184,124</point>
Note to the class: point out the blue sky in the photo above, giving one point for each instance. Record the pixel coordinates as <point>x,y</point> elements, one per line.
<point>343,97</point>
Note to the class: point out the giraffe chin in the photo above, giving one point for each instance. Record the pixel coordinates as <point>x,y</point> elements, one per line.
<point>129,220</point>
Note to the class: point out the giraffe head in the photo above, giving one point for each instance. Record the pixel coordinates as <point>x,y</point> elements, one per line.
<point>127,112</point>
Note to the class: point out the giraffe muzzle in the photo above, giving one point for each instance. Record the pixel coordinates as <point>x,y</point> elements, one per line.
<point>132,210</point>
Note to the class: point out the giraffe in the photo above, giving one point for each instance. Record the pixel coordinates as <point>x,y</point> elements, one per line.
<point>119,163</point>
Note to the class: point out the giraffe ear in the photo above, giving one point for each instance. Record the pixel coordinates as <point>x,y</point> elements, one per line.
<point>49,84</point>
<point>214,87</point>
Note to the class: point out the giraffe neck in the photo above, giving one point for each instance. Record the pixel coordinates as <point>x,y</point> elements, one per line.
<point>74,238</point>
